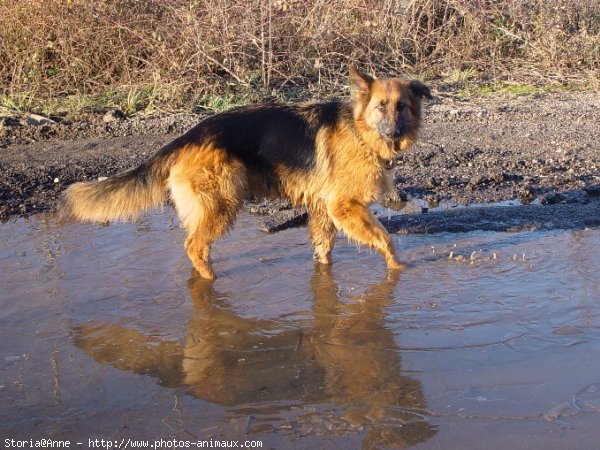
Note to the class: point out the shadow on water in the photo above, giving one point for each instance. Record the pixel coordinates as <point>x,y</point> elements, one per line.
<point>345,356</point>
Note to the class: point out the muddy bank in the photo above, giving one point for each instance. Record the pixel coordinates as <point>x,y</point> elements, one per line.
<point>485,218</point>
<point>541,148</point>
<point>500,149</point>
<point>505,218</point>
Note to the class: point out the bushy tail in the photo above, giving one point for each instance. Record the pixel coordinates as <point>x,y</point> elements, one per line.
<point>123,196</point>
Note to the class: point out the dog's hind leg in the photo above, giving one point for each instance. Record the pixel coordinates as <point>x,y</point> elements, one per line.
<point>358,223</point>
<point>198,250</point>
<point>215,219</point>
<point>207,200</point>
<point>322,233</point>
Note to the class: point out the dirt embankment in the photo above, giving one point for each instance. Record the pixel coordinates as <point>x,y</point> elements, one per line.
<point>541,148</point>
<point>494,149</point>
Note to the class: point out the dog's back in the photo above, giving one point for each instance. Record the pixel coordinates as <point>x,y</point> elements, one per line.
<point>269,135</point>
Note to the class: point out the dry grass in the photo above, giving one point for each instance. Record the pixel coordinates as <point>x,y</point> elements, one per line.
<point>140,54</point>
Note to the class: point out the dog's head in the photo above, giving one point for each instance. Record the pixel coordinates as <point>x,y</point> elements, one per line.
<point>391,106</point>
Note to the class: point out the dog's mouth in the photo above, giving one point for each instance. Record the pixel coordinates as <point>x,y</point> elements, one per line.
<point>393,139</point>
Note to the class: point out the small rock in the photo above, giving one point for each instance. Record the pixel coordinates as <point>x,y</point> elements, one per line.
<point>500,177</point>
<point>527,194</point>
<point>394,200</point>
<point>9,122</point>
<point>478,179</point>
<point>433,182</point>
<point>113,115</point>
<point>36,119</point>
<point>284,220</point>
<point>264,428</point>
<point>592,191</point>
<point>551,198</point>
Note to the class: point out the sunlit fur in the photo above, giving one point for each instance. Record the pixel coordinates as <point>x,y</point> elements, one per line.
<point>329,157</point>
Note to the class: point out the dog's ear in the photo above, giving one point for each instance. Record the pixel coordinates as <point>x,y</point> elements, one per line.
<point>360,83</point>
<point>420,89</point>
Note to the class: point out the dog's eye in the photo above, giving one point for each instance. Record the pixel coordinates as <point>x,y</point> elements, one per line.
<point>381,108</point>
<point>402,106</point>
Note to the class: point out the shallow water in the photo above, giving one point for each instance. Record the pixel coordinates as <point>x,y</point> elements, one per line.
<point>104,335</point>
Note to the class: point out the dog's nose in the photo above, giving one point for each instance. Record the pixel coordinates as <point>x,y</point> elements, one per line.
<point>392,132</point>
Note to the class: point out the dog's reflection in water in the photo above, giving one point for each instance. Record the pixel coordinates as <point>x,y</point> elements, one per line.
<point>344,356</point>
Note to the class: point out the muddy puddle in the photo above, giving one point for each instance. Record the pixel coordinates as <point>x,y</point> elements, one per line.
<point>488,340</point>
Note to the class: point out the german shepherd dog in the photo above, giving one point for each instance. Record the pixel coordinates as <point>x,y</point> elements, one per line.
<point>330,157</point>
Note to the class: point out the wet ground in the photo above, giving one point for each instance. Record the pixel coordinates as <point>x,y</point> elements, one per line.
<point>540,147</point>
<point>489,339</point>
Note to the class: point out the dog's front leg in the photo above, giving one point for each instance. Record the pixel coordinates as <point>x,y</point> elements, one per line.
<point>322,233</point>
<point>358,223</point>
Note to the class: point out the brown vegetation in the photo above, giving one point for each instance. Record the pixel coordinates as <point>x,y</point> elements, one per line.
<point>157,53</point>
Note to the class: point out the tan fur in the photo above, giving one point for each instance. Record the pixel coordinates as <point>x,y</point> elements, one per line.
<point>208,188</point>
<point>123,196</point>
<point>208,181</point>
<point>118,198</point>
